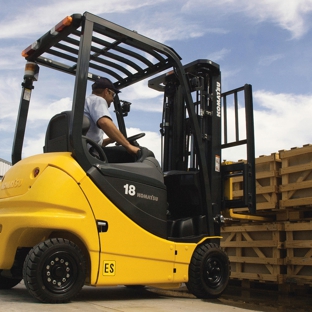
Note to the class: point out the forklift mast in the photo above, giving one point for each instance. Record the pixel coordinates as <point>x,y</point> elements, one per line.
<point>193,137</point>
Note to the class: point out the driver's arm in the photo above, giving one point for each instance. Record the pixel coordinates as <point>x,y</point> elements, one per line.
<point>107,141</point>
<point>107,125</point>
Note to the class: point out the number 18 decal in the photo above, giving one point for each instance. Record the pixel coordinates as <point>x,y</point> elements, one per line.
<point>129,189</point>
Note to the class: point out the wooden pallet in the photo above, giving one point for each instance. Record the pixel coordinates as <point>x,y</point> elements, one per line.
<point>267,183</point>
<point>298,259</point>
<point>294,214</point>
<point>296,175</point>
<point>256,251</point>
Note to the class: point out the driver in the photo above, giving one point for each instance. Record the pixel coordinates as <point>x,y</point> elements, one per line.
<point>96,109</point>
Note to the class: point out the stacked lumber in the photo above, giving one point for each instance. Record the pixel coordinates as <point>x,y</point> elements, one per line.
<point>296,184</point>
<point>255,251</point>
<point>279,251</point>
<point>298,246</point>
<point>267,183</point>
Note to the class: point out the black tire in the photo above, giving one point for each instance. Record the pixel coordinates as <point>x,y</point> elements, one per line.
<point>209,271</point>
<point>8,283</point>
<point>54,271</point>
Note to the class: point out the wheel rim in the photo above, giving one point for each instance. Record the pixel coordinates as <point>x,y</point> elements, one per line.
<point>213,269</point>
<point>59,272</point>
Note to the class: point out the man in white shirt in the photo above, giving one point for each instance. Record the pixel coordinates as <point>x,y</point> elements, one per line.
<point>96,109</point>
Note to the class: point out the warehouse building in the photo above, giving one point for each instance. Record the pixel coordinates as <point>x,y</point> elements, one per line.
<point>4,167</point>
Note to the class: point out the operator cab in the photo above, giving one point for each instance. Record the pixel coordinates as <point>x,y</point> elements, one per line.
<point>137,188</point>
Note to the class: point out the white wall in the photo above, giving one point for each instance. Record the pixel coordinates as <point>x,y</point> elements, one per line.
<point>4,167</point>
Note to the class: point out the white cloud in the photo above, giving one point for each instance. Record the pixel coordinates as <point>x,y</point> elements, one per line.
<point>142,97</point>
<point>282,121</point>
<point>151,140</point>
<point>175,28</point>
<point>269,59</point>
<point>162,24</point>
<point>291,15</point>
<point>33,145</point>
<point>139,90</point>
<point>9,98</point>
<point>46,15</point>
<point>218,55</point>
<point>10,58</point>
<point>42,113</point>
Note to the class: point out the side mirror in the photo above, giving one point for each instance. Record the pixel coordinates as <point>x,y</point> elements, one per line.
<point>125,108</point>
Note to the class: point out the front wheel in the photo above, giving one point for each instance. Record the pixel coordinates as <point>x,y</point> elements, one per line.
<point>209,271</point>
<point>54,271</point>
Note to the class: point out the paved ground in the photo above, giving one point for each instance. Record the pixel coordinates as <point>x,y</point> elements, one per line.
<point>122,299</point>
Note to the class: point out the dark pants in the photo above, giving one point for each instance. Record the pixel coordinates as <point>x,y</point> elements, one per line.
<point>118,154</point>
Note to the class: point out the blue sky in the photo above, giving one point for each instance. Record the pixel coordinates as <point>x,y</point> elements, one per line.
<point>267,43</point>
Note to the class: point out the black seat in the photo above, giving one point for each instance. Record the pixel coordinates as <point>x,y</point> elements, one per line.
<point>57,138</point>
<point>57,135</point>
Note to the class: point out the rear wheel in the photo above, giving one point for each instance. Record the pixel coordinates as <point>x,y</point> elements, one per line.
<point>8,283</point>
<point>54,271</point>
<point>209,271</point>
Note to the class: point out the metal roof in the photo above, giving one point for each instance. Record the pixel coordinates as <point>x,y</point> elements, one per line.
<point>120,54</point>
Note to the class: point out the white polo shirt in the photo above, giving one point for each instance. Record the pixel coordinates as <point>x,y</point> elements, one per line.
<point>95,108</point>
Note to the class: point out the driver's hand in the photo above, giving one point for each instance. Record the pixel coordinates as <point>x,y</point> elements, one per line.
<point>131,149</point>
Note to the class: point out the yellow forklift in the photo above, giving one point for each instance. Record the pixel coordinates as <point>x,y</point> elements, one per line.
<point>71,217</point>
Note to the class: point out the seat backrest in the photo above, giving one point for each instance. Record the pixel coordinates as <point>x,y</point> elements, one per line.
<point>57,135</point>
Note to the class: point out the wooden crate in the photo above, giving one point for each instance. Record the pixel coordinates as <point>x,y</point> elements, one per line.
<point>267,183</point>
<point>298,259</point>
<point>294,214</point>
<point>296,175</point>
<point>256,251</point>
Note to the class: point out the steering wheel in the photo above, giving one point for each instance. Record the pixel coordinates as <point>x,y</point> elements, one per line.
<point>96,150</point>
<point>135,137</point>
